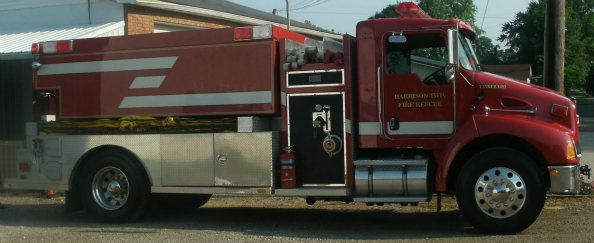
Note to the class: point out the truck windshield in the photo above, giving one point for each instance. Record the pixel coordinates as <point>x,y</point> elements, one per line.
<point>468,59</point>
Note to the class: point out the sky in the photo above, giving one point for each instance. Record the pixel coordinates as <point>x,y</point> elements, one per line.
<point>342,15</point>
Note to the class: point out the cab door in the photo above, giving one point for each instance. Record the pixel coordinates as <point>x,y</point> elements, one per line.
<point>418,97</point>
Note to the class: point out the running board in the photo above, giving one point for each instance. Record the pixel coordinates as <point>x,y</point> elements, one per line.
<point>332,192</point>
<point>315,192</point>
<point>213,190</point>
<point>391,199</point>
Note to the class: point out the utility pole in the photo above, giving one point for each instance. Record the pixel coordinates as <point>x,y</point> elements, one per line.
<point>554,63</point>
<point>288,15</point>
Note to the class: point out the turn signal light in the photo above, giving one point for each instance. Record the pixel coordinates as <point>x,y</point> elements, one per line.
<point>554,173</point>
<point>571,151</point>
<point>559,110</point>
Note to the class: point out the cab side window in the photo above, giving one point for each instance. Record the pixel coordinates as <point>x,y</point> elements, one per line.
<point>424,54</point>
<point>398,62</point>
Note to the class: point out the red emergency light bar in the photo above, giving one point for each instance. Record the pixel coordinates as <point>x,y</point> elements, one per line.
<point>49,47</point>
<point>411,10</point>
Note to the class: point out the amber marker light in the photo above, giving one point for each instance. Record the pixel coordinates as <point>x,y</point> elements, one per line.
<point>261,190</point>
<point>554,172</point>
<point>570,150</point>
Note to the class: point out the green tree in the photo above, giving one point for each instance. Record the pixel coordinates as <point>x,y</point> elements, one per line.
<point>437,9</point>
<point>507,55</point>
<point>307,22</point>
<point>484,45</point>
<point>525,39</point>
<point>388,12</point>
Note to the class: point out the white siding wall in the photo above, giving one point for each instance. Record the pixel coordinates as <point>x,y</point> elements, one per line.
<point>30,14</point>
<point>422,70</point>
<point>116,32</point>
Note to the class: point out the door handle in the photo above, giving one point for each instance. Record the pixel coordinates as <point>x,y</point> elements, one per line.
<point>394,123</point>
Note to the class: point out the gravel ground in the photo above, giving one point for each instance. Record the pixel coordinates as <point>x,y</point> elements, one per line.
<point>31,217</point>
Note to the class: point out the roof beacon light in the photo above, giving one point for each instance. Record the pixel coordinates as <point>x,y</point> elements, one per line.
<point>64,46</point>
<point>262,32</point>
<point>411,10</point>
<point>253,32</point>
<point>49,47</point>
<point>243,33</point>
<point>35,48</point>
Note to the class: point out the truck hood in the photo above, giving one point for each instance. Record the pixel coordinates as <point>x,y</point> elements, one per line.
<point>510,94</point>
<point>487,75</point>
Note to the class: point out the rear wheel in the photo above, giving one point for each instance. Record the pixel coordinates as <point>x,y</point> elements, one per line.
<point>501,191</point>
<point>114,188</point>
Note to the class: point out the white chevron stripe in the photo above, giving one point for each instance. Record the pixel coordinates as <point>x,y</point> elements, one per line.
<point>409,128</point>
<point>108,66</point>
<point>147,82</point>
<point>235,98</point>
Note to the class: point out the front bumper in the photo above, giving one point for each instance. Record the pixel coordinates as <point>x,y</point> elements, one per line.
<point>565,179</point>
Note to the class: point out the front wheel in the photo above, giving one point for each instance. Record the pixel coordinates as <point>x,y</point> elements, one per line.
<point>501,191</point>
<point>114,188</point>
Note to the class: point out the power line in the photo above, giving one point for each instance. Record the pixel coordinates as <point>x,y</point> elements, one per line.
<point>485,14</point>
<point>303,4</point>
<point>329,13</point>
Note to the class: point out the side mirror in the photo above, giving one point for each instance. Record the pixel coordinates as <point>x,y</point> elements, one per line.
<point>453,47</point>
<point>450,72</point>
<point>483,67</point>
<point>397,39</point>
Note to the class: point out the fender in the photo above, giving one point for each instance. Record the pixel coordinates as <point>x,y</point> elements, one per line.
<point>464,135</point>
<point>549,138</point>
<point>81,163</point>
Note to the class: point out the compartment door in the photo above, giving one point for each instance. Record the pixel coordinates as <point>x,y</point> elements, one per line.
<point>246,159</point>
<point>320,158</point>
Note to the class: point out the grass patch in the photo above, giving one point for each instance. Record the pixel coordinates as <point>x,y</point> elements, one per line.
<point>583,101</point>
<point>581,97</point>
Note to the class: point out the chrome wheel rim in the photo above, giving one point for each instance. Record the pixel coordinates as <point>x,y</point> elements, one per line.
<point>500,192</point>
<point>110,188</point>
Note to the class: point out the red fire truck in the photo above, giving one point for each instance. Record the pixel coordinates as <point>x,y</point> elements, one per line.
<point>397,114</point>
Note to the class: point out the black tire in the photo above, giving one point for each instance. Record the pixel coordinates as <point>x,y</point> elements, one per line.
<point>495,207</point>
<point>114,188</point>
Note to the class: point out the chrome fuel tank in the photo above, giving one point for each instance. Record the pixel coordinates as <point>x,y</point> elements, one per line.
<point>390,177</point>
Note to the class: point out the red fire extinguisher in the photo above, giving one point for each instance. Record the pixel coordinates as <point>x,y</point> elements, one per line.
<point>287,172</point>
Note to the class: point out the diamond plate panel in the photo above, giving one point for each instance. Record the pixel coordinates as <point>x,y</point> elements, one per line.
<point>246,159</point>
<point>145,147</point>
<point>187,159</point>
